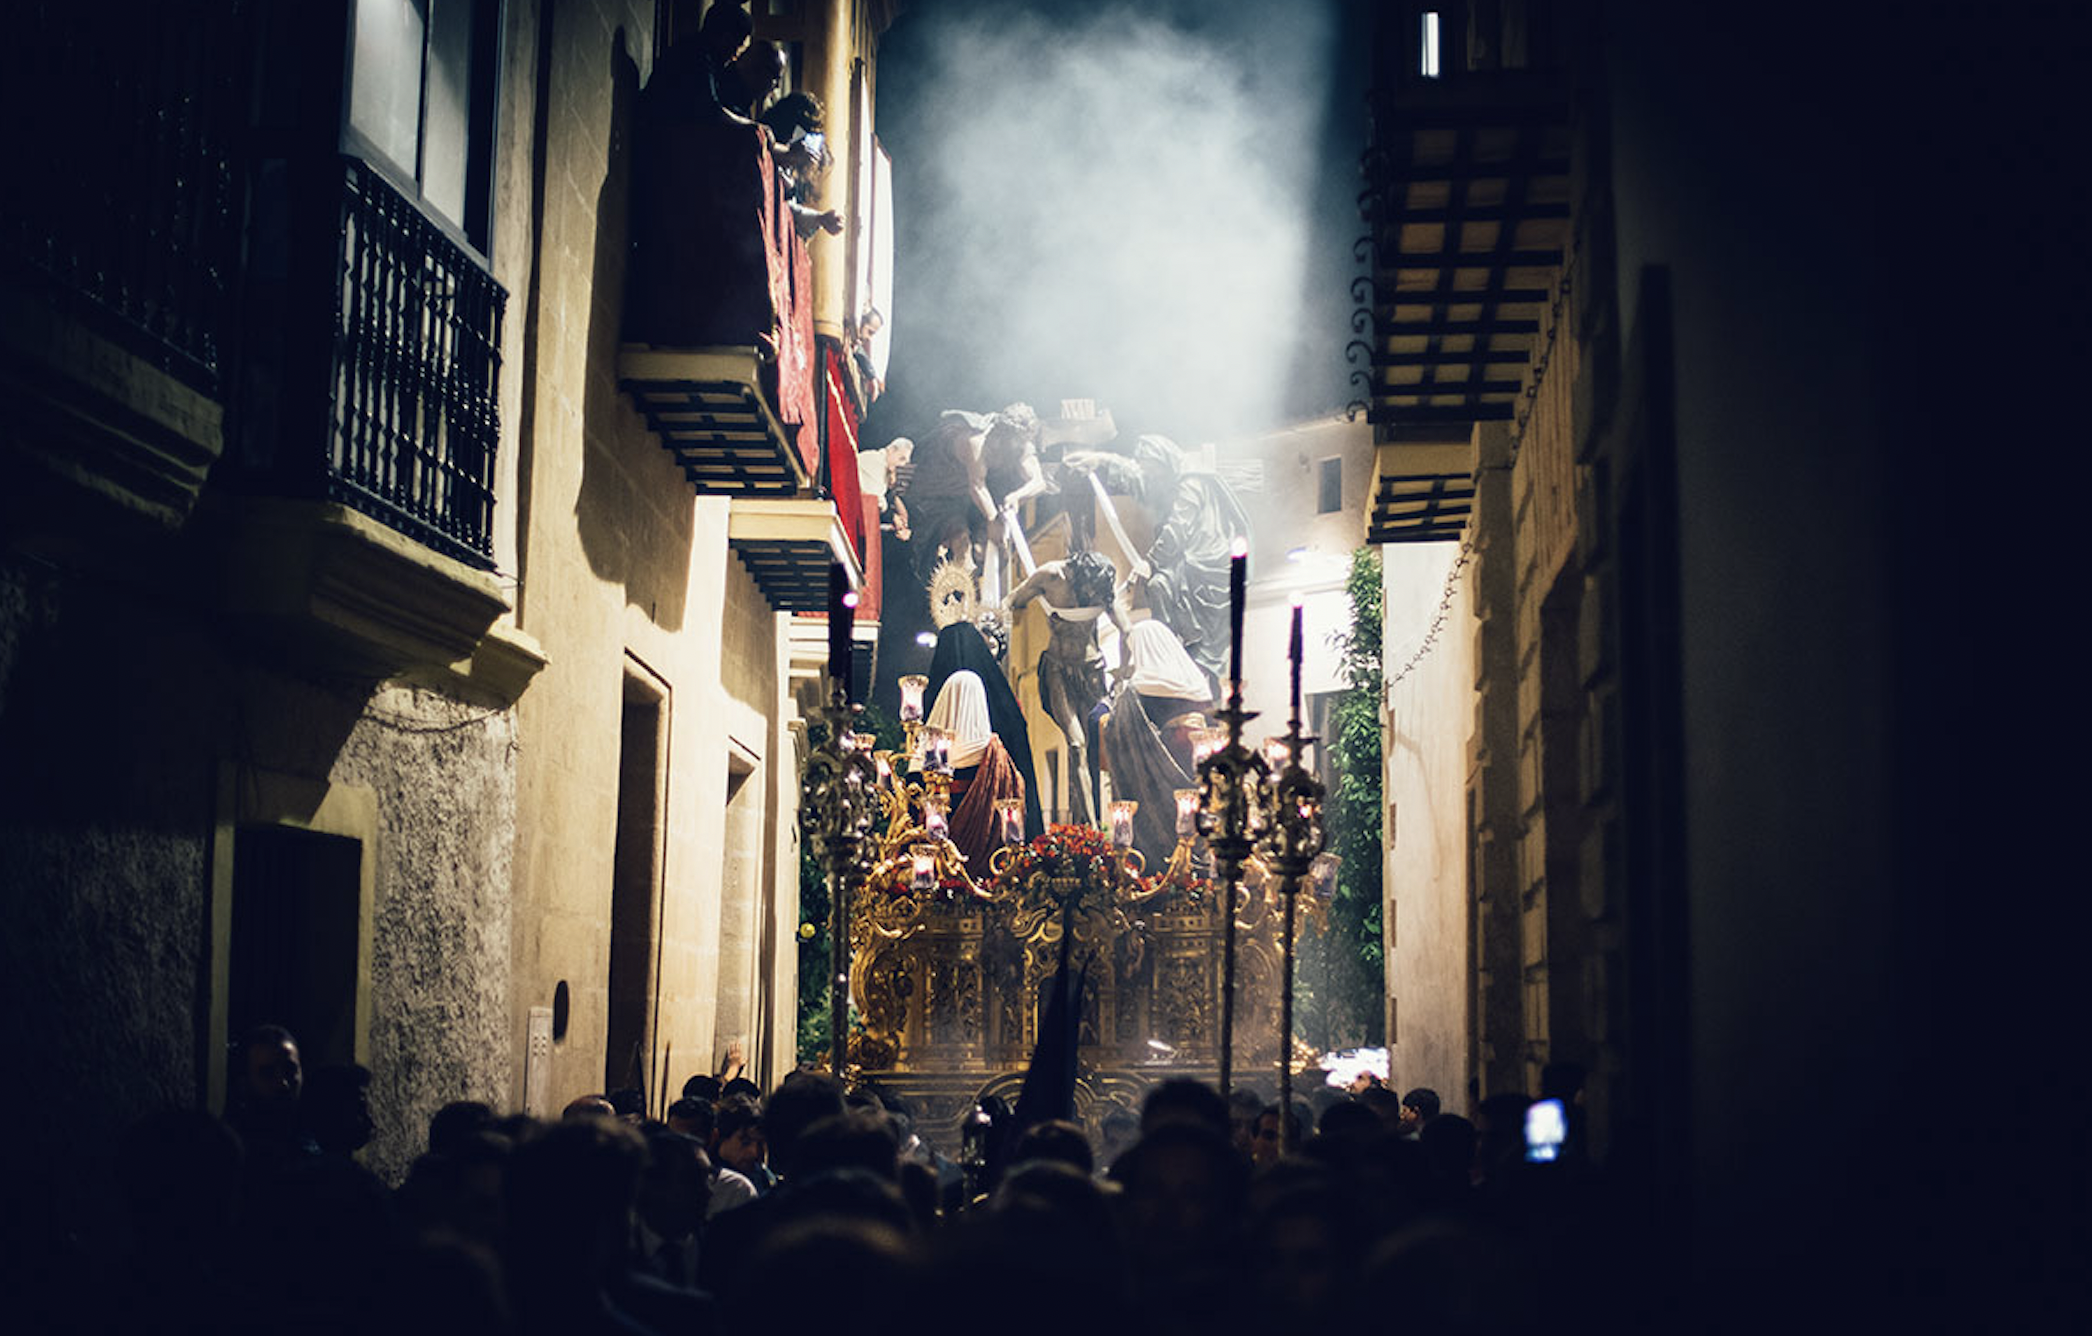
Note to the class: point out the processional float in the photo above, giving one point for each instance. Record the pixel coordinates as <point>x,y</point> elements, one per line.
<point>938,969</point>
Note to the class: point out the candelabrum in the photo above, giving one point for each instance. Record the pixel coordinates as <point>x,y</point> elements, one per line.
<point>1292,844</point>
<point>1234,788</point>
<point>837,805</point>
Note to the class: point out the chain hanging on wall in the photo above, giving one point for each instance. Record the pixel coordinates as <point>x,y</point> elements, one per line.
<point>1521,420</point>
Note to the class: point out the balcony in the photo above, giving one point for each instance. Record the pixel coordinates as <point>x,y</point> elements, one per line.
<point>719,351</point>
<point>416,370</point>
<point>720,356</point>
<point>117,247</point>
<point>358,530</point>
<point>1467,199</point>
<point>1422,493</point>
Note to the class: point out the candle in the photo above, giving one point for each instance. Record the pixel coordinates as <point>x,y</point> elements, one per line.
<point>841,601</point>
<point>1187,811</point>
<point>934,824</point>
<point>884,760</point>
<point>1238,595</point>
<point>1274,754</point>
<point>1323,871</point>
<point>1122,823</point>
<point>912,689</point>
<point>1009,813</point>
<point>922,867</point>
<point>1295,654</point>
<point>1206,742</point>
<point>937,752</point>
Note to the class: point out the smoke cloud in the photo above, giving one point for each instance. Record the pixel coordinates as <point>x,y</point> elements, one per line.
<point>1112,202</point>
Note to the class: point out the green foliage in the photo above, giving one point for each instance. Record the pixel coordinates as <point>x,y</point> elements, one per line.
<point>1348,954</point>
<point>814,952</point>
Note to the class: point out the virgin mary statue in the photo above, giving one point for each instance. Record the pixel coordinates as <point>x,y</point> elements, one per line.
<point>982,772</point>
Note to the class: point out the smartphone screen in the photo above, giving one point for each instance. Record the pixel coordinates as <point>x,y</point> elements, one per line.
<point>1546,1127</point>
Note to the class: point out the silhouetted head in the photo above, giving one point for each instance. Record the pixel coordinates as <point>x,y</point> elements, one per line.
<point>455,1121</point>
<point>804,1099</point>
<point>737,1136</point>
<point>692,1118</point>
<point>570,1197</point>
<point>1419,1107</point>
<point>267,1076</point>
<point>336,1108</point>
<point>674,1188</point>
<point>1184,1100</point>
<point>1563,1081</point>
<point>703,1087</point>
<point>1058,1140</point>
<point>859,1139</point>
<point>760,68</point>
<point>1184,1187</point>
<point>725,31</point>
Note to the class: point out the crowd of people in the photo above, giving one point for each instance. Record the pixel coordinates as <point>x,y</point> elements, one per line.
<point>812,1205</point>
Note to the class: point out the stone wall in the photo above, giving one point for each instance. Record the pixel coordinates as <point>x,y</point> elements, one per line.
<point>444,776</point>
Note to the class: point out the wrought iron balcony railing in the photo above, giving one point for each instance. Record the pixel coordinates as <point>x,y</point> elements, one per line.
<point>119,166</point>
<point>415,376</point>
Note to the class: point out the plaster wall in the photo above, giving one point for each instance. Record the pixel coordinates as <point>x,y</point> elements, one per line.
<point>1430,715</point>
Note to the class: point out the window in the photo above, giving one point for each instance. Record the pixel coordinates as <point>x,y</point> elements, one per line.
<point>1331,497</point>
<point>421,103</point>
<point>1427,55</point>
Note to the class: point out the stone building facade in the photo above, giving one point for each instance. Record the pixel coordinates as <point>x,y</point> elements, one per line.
<point>1661,382</point>
<point>367,664</point>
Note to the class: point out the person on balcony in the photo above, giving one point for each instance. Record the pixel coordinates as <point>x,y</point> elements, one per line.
<point>1145,740</point>
<point>982,772</point>
<point>685,86</point>
<point>750,77</point>
<point>801,152</point>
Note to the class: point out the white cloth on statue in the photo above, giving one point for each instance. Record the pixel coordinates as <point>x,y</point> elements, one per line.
<point>962,712</point>
<point>1161,667</point>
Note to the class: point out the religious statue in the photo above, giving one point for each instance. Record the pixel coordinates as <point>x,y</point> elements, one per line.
<point>1185,570</point>
<point>1076,591</point>
<point>965,646</point>
<point>982,772</point>
<point>968,471</point>
<point>1146,738</point>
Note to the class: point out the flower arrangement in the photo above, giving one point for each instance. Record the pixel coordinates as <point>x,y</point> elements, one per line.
<point>1064,851</point>
<point>1174,886</point>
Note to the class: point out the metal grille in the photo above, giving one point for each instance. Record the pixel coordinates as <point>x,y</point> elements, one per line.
<point>417,362</point>
<point>119,157</point>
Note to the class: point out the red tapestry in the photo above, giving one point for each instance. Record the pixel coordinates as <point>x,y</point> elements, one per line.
<point>792,297</point>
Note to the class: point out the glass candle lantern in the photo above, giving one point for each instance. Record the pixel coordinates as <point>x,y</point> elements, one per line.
<point>1275,754</point>
<point>934,823</point>
<point>1206,742</point>
<point>1187,812</point>
<point>912,688</point>
<point>1009,820</point>
<point>939,755</point>
<point>1322,875</point>
<point>1122,823</point>
<point>922,867</point>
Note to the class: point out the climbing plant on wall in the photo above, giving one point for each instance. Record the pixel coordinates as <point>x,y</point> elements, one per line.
<point>814,953</point>
<point>1349,947</point>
